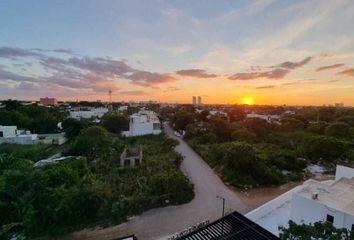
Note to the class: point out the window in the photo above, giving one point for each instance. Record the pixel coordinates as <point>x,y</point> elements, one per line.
<point>352,227</point>
<point>126,162</point>
<point>156,126</point>
<point>330,218</point>
<point>1,134</point>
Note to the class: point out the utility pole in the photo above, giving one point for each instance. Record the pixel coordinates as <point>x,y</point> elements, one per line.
<point>223,205</point>
<point>223,212</point>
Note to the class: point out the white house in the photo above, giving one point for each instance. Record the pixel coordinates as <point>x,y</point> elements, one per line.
<point>268,118</point>
<point>10,134</point>
<point>8,131</point>
<point>143,123</point>
<point>321,202</point>
<point>88,112</point>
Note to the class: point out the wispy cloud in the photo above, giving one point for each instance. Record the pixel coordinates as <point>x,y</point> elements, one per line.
<point>198,73</point>
<point>273,74</point>
<point>150,79</point>
<point>347,72</point>
<point>293,65</point>
<point>79,72</point>
<point>265,87</point>
<point>329,67</point>
<point>132,93</point>
<point>10,76</point>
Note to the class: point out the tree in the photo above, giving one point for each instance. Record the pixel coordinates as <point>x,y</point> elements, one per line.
<point>115,123</point>
<point>203,116</point>
<point>242,166</point>
<point>338,129</point>
<point>318,127</point>
<point>182,119</point>
<point>220,127</point>
<point>72,127</point>
<point>322,148</point>
<point>237,113</point>
<point>93,142</point>
<point>257,125</point>
<point>319,230</point>
<point>291,124</point>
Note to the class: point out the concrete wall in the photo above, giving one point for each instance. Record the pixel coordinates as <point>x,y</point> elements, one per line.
<point>23,140</point>
<point>272,205</point>
<point>343,171</point>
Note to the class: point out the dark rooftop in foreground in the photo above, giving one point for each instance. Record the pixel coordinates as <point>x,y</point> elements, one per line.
<point>233,226</point>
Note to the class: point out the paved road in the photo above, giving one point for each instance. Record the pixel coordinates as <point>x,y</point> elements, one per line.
<point>160,222</point>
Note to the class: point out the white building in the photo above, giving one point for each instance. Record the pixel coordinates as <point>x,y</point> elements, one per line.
<point>322,202</point>
<point>88,113</point>
<point>7,131</point>
<point>123,108</point>
<point>143,123</point>
<point>10,134</point>
<point>313,201</point>
<point>268,118</point>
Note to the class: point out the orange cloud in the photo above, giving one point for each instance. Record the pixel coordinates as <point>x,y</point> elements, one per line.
<point>348,72</point>
<point>293,65</point>
<point>265,87</point>
<point>274,74</point>
<point>199,73</point>
<point>323,68</point>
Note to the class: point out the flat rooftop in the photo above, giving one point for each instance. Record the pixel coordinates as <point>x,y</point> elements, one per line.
<point>339,195</point>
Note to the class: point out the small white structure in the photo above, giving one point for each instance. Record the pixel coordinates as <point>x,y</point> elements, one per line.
<point>88,113</point>
<point>268,118</point>
<point>53,138</point>
<point>123,108</point>
<point>143,123</point>
<point>10,134</point>
<point>8,131</point>
<point>131,157</point>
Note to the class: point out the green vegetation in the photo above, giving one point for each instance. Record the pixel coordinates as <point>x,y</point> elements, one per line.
<point>30,152</point>
<point>88,190</point>
<point>319,230</point>
<point>37,119</point>
<point>253,152</point>
<point>115,123</point>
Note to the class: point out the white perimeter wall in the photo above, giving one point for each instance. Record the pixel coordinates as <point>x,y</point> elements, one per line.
<point>342,171</point>
<point>311,211</point>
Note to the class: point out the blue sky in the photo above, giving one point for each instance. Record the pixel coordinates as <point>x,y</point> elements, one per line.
<point>229,47</point>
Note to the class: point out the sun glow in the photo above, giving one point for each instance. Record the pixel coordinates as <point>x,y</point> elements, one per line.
<point>247,101</point>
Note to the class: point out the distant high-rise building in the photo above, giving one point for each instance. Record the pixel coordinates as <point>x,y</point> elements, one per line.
<point>339,104</point>
<point>199,100</point>
<point>48,101</point>
<point>194,100</point>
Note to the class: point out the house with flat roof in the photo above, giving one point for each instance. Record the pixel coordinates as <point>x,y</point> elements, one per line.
<point>313,201</point>
<point>322,202</point>
<point>10,134</point>
<point>143,123</point>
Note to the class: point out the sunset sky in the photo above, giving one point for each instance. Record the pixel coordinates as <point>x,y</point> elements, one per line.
<point>270,51</point>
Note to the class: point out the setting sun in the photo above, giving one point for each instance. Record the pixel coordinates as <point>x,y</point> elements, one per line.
<point>247,101</point>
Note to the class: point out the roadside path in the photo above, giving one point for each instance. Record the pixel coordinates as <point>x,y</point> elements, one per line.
<point>161,222</point>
